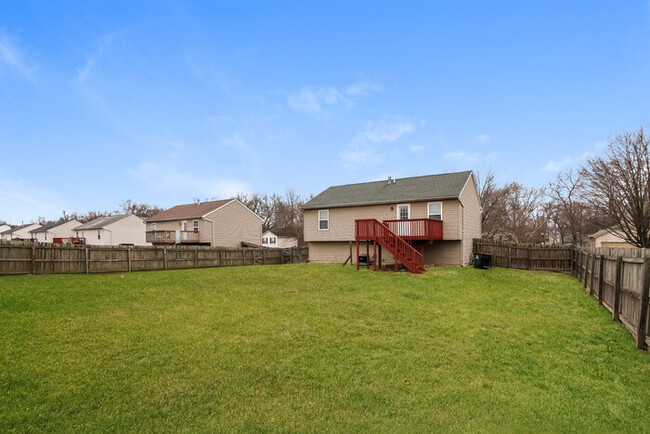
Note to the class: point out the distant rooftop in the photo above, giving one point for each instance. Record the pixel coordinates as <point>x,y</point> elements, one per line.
<point>101,222</point>
<point>188,211</point>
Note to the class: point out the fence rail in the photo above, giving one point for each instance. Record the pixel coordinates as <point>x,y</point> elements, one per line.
<point>618,278</point>
<point>34,258</point>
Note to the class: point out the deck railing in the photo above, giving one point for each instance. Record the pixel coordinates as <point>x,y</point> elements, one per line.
<point>170,237</point>
<point>373,230</point>
<point>416,229</point>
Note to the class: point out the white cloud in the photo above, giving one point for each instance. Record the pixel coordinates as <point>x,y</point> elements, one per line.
<point>84,72</point>
<point>556,166</point>
<point>416,149</point>
<point>387,131</point>
<point>12,56</point>
<point>365,148</point>
<point>237,143</point>
<point>165,175</point>
<point>362,88</point>
<point>482,138</point>
<point>313,101</point>
<point>22,201</point>
<point>318,101</point>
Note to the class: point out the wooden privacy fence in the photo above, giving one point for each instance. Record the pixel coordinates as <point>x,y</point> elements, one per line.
<point>28,258</point>
<point>618,278</point>
<point>621,285</point>
<point>527,256</point>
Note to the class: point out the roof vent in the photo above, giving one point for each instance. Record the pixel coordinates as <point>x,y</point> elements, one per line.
<point>390,180</point>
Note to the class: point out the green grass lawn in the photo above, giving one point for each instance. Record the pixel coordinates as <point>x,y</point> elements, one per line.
<point>315,348</point>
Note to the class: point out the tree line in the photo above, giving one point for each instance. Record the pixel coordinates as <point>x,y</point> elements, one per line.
<point>610,191</point>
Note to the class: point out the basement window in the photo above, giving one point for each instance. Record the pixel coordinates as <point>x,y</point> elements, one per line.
<point>435,210</point>
<point>323,220</point>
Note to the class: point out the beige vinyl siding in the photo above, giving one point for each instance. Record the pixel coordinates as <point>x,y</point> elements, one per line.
<point>341,222</point>
<point>129,230</point>
<point>445,253</point>
<point>471,218</point>
<point>65,230</point>
<point>234,223</point>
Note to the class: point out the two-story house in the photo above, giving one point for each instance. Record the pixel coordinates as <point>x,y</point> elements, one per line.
<point>113,231</point>
<point>224,223</point>
<point>59,231</point>
<point>437,216</point>
<point>21,232</point>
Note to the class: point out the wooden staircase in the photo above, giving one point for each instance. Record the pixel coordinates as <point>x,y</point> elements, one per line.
<point>379,233</point>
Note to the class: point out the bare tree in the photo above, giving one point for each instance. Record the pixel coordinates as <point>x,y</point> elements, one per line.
<point>524,219</point>
<point>571,213</point>
<point>143,210</point>
<point>619,185</point>
<point>260,205</point>
<point>493,201</point>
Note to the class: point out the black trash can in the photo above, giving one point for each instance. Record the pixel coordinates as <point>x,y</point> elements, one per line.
<point>363,260</point>
<point>484,262</point>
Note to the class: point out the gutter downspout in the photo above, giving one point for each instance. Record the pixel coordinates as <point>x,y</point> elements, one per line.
<point>212,224</point>
<point>462,233</point>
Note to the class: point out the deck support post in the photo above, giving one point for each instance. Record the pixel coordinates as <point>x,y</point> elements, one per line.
<point>357,261</point>
<point>374,256</point>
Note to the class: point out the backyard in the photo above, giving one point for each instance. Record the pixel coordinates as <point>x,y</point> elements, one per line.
<point>315,348</point>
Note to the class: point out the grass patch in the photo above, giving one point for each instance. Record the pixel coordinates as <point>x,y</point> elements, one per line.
<point>315,347</point>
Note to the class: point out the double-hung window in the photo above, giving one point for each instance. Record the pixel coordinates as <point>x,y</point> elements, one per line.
<point>195,225</point>
<point>153,227</point>
<point>435,210</point>
<point>272,240</point>
<point>184,225</point>
<point>323,220</point>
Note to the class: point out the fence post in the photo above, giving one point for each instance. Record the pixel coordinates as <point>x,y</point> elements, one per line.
<point>509,256</point>
<point>220,258</point>
<point>617,287</point>
<point>640,328</point>
<point>601,279</point>
<point>263,256</point>
<point>593,275</point>
<point>196,258</point>
<point>165,258</point>
<point>129,258</point>
<point>33,259</point>
<point>529,264</point>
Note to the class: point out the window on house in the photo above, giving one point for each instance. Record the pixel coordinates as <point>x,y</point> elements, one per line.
<point>323,220</point>
<point>265,240</point>
<point>153,227</point>
<point>99,235</point>
<point>195,225</point>
<point>435,210</point>
<point>184,226</point>
<point>45,236</point>
<point>272,240</point>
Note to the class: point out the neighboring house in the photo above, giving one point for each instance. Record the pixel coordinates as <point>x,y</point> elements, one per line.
<point>3,228</point>
<point>438,215</point>
<point>225,223</point>
<point>47,233</point>
<point>113,231</point>
<point>20,232</point>
<point>279,238</point>
<point>608,238</point>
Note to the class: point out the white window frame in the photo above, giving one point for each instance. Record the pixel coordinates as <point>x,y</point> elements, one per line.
<point>153,227</point>
<point>273,240</point>
<point>429,209</point>
<point>184,225</point>
<point>265,240</point>
<point>407,205</point>
<point>195,225</point>
<point>324,220</point>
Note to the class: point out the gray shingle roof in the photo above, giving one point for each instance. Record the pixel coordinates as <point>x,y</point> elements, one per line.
<point>47,227</point>
<point>100,222</point>
<point>442,186</point>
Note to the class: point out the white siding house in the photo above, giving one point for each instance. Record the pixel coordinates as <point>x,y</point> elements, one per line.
<point>113,231</point>
<point>47,234</point>
<point>278,238</point>
<point>20,232</point>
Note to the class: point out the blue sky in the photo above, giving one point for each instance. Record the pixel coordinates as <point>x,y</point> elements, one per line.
<point>160,102</point>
